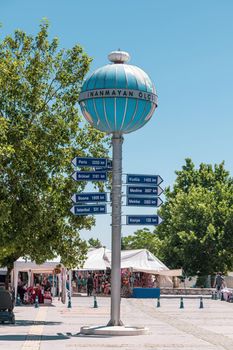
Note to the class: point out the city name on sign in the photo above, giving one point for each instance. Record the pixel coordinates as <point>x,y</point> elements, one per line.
<point>88,209</point>
<point>144,190</point>
<point>144,179</point>
<point>89,162</point>
<point>89,197</point>
<point>144,202</point>
<point>89,176</point>
<point>154,220</point>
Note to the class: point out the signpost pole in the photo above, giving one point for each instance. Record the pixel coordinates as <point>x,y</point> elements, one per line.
<point>117,140</point>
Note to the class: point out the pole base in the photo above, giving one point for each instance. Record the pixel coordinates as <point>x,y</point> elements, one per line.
<point>112,324</point>
<point>113,330</point>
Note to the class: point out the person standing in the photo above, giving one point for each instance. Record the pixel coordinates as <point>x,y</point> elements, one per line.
<point>90,283</point>
<point>219,284</point>
<point>79,284</point>
<point>83,284</point>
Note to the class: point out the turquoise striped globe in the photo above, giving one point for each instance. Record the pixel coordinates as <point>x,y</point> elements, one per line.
<point>118,97</point>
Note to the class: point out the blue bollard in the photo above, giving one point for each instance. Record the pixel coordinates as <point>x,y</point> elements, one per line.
<point>201,303</point>
<point>36,302</point>
<point>181,303</point>
<point>18,301</point>
<point>95,303</point>
<point>158,302</point>
<point>69,306</point>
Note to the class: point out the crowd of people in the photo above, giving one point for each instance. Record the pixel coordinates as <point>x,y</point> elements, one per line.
<point>100,282</point>
<point>97,283</point>
<point>28,294</point>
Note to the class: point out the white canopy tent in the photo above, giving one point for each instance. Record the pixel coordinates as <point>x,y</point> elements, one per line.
<point>97,259</point>
<point>137,260</point>
<point>22,265</point>
<point>141,260</point>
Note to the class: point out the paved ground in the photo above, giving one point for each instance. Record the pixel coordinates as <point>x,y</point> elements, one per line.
<point>171,328</point>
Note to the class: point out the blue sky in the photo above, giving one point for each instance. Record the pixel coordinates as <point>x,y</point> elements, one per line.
<point>185,46</point>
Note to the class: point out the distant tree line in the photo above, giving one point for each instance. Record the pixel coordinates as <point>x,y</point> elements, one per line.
<point>197,229</point>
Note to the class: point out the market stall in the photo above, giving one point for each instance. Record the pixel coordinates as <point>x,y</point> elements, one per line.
<point>38,283</point>
<point>139,268</point>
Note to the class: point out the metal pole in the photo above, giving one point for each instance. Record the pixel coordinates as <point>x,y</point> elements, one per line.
<point>117,140</point>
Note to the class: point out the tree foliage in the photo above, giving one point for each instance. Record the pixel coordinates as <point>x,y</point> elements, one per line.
<point>94,243</point>
<point>142,239</point>
<point>196,233</point>
<point>41,131</point>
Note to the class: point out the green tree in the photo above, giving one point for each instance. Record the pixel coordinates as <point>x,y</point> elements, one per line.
<point>94,243</point>
<point>142,239</point>
<point>196,233</point>
<point>41,131</point>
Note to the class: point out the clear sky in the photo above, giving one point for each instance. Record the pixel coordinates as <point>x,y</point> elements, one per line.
<point>185,46</point>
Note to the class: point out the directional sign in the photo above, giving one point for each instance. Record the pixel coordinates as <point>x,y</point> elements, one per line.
<point>89,162</point>
<point>144,190</point>
<point>144,201</point>
<point>89,197</point>
<point>154,220</point>
<point>88,209</point>
<point>89,176</point>
<point>144,179</point>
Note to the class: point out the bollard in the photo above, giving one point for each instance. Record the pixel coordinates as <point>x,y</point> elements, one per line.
<point>95,303</point>
<point>215,296</point>
<point>201,303</point>
<point>36,302</point>
<point>181,303</point>
<point>158,302</point>
<point>212,296</point>
<point>222,297</point>
<point>18,301</point>
<point>69,301</point>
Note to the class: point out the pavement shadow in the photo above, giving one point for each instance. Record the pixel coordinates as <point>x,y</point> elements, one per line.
<point>33,323</point>
<point>97,336</point>
<point>33,305</point>
<point>23,337</point>
<point>80,335</point>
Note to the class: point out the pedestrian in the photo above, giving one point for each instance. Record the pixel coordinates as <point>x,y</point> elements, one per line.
<point>83,284</point>
<point>79,284</point>
<point>90,283</point>
<point>219,284</point>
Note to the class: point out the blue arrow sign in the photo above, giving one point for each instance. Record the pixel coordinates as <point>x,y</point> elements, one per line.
<point>144,179</point>
<point>88,209</point>
<point>89,162</point>
<point>89,197</point>
<point>144,201</point>
<point>89,176</point>
<point>144,190</point>
<point>154,220</point>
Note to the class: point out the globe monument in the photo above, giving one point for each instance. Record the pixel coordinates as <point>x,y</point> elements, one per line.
<point>117,99</point>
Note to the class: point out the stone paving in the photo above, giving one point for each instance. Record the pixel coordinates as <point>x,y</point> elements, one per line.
<point>170,328</point>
